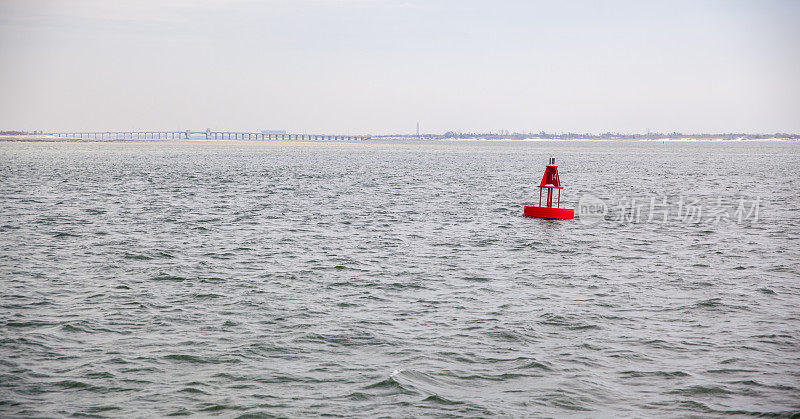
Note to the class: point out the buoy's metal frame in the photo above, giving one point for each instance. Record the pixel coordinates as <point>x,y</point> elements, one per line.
<point>550,181</point>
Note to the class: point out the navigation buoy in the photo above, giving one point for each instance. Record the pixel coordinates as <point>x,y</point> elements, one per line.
<point>550,181</point>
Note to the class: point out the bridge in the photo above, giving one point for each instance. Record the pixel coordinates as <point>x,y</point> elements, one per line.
<point>207,134</point>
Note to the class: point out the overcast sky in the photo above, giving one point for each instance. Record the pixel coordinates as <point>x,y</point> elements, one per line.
<point>379,66</point>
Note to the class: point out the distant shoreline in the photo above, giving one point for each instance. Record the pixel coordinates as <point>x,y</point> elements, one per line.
<point>398,139</point>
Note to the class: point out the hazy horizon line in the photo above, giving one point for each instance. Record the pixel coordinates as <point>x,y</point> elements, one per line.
<point>390,134</point>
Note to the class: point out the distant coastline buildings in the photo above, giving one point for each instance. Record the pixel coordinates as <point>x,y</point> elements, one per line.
<point>285,135</point>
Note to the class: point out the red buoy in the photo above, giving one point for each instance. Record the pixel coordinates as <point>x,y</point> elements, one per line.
<point>550,181</point>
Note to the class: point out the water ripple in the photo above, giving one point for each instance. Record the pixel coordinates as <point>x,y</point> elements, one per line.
<point>384,280</point>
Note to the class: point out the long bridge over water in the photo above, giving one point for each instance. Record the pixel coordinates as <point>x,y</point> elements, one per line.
<point>208,135</point>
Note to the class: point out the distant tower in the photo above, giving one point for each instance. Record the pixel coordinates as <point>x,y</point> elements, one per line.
<point>417,129</point>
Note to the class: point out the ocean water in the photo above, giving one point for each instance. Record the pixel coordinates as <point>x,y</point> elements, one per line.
<point>398,279</point>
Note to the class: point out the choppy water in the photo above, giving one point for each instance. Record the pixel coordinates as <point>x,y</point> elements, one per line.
<point>147,279</point>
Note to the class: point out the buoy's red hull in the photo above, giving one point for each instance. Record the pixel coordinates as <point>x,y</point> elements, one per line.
<point>550,212</point>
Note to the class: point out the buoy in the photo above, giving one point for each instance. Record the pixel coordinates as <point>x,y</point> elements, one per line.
<point>550,181</point>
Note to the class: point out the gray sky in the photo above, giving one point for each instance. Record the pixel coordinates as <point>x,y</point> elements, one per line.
<point>379,66</point>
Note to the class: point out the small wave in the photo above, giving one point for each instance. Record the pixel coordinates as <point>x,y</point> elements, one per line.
<point>71,328</point>
<point>180,412</point>
<point>550,319</point>
<point>659,343</point>
<point>701,390</point>
<point>192,390</point>
<point>186,358</point>
<point>701,407</point>
<point>28,324</point>
<point>773,336</point>
<point>590,347</point>
<point>435,398</point>
<point>729,371</point>
<point>358,396</point>
<point>711,303</point>
<point>398,285</point>
<point>207,296</point>
<point>507,335</point>
<point>391,385</point>
<point>664,374</point>
<point>72,384</point>
<point>231,377</point>
<point>169,278</point>
<point>101,409</point>
<point>569,403</point>
<point>535,365</point>
<point>64,234</point>
<point>342,340</point>
<point>219,407</point>
<point>498,377</point>
<point>136,256</point>
<point>103,374</point>
<point>715,304</point>
<point>476,279</point>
